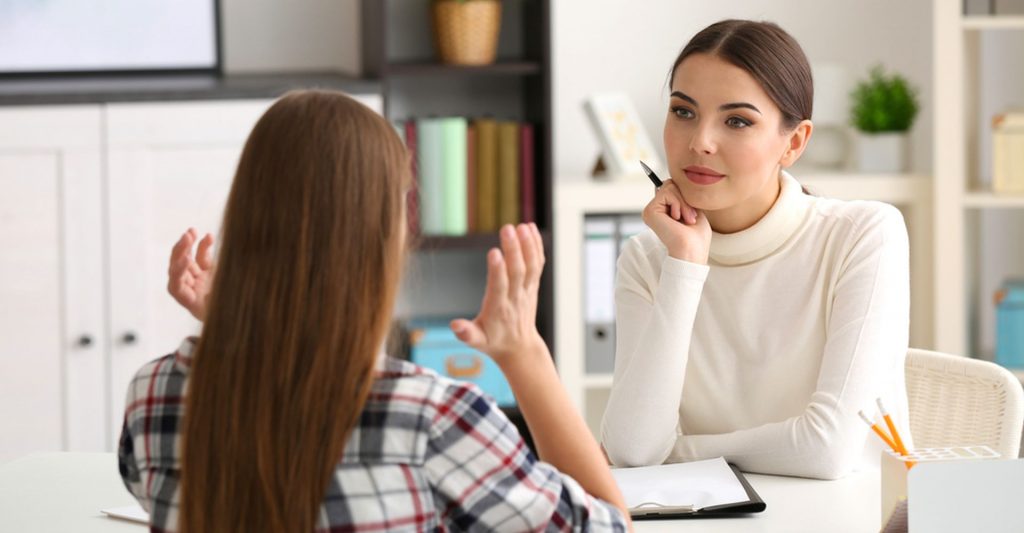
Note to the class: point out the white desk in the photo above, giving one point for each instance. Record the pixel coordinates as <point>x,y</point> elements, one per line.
<point>61,492</point>
<point>796,505</point>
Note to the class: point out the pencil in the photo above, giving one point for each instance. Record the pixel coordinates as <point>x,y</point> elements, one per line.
<point>650,174</point>
<point>878,431</point>
<point>881,433</point>
<point>892,427</point>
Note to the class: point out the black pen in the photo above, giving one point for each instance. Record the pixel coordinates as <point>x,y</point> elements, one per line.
<point>650,174</point>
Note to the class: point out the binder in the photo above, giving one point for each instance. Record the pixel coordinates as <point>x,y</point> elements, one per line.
<point>648,490</point>
<point>599,254</point>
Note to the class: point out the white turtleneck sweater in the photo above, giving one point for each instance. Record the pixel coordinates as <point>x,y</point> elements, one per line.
<point>766,354</point>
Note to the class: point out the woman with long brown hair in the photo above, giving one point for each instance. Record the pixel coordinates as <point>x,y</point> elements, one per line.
<point>284,415</point>
<point>754,321</point>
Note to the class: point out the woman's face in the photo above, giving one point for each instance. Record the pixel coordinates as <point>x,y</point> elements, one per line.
<point>723,137</point>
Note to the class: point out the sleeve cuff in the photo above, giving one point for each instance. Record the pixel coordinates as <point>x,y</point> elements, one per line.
<point>684,269</point>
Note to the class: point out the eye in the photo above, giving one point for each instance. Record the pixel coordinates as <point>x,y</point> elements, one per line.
<point>681,112</point>
<point>737,122</point>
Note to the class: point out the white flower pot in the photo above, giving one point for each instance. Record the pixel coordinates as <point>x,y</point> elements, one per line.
<point>882,152</point>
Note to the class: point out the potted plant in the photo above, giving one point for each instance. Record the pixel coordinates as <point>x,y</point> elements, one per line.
<point>884,108</point>
<point>466,31</point>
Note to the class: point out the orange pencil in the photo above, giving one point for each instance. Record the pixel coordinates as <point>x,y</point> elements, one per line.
<point>881,433</point>
<point>892,428</point>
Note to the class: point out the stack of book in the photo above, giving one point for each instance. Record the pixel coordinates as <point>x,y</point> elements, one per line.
<point>472,175</point>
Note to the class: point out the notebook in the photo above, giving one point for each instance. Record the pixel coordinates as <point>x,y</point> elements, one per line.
<point>698,488</point>
<point>132,513</point>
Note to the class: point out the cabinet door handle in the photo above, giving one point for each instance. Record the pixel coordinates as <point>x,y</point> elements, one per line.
<point>129,337</point>
<point>84,341</point>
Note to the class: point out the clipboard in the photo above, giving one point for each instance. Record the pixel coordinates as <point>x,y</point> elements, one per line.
<point>754,504</point>
<point>714,480</point>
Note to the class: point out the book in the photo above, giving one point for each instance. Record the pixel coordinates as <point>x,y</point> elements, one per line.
<point>508,173</point>
<point>471,200</point>
<point>453,172</point>
<point>697,488</point>
<point>527,173</point>
<point>430,165</point>
<point>487,175</point>
<point>412,198</point>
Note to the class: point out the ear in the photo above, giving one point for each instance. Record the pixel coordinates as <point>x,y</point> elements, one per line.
<point>797,142</point>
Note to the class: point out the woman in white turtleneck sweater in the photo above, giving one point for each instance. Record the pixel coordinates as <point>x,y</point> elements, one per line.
<point>753,320</point>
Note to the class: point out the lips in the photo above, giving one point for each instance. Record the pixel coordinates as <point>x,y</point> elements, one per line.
<point>702,175</point>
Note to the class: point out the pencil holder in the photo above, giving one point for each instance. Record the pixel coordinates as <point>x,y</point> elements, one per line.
<point>895,471</point>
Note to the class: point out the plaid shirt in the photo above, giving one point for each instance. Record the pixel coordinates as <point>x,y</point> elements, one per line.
<point>428,453</point>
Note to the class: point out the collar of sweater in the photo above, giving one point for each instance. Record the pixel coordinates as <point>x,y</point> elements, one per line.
<point>769,233</point>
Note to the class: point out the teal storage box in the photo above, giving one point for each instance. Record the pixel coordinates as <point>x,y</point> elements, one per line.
<point>433,345</point>
<point>1010,324</point>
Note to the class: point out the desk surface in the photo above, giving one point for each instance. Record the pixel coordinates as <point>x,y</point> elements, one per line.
<point>59,492</point>
<point>851,504</point>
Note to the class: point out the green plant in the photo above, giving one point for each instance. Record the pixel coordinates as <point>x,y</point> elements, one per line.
<point>883,103</point>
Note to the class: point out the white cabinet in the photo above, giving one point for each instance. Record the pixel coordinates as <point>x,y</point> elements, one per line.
<point>93,197</point>
<point>51,282</point>
<point>169,166</point>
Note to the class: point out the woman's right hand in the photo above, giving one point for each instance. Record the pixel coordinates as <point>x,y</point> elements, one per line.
<point>684,230</point>
<point>506,326</point>
<point>189,278</point>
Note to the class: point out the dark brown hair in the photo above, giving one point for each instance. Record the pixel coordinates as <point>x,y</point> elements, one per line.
<point>309,264</point>
<point>766,52</point>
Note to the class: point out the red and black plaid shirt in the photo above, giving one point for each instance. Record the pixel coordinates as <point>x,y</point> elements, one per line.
<point>428,453</point>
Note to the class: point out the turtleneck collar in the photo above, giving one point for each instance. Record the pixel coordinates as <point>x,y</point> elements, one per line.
<point>768,234</point>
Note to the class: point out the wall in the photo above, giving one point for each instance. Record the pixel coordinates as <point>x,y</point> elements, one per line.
<point>297,35</point>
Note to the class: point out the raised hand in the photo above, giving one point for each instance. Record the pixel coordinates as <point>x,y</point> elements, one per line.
<point>190,278</point>
<point>506,324</point>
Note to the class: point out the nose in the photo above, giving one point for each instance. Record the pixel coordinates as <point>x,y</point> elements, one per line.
<point>703,141</point>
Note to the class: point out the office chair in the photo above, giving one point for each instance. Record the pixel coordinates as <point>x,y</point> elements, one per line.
<point>959,401</point>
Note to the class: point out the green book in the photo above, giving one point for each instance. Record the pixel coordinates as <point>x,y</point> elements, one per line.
<point>453,168</point>
<point>430,158</point>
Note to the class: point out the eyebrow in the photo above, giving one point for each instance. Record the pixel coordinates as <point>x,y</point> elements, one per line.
<point>723,107</point>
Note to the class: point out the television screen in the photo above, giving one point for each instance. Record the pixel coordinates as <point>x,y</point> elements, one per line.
<point>42,36</point>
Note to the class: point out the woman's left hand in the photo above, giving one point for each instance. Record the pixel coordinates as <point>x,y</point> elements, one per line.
<point>506,326</point>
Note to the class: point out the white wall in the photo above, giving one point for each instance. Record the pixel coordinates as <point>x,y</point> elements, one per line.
<point>629,46</point>
<point>292,35</point>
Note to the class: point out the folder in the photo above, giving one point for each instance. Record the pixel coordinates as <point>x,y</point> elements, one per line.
<point>599,256</point>
<point>687,490</point>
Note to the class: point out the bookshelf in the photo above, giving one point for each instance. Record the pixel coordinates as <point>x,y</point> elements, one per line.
<point>398,52</point>
<point>579,197</point>
<point>975,239</point>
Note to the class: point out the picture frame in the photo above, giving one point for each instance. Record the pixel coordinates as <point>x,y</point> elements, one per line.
<point>624,142</point>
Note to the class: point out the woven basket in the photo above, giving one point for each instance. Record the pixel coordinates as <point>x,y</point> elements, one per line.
<point>466,33</point>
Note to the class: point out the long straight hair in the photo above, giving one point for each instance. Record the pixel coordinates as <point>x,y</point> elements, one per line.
<point>312,247</point>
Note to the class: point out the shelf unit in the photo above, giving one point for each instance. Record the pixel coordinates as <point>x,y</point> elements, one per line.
<point>398,51</point>
<point>579,197</point>
<point>960,199</point>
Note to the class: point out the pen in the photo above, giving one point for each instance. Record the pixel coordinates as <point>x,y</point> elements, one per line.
<point>892,428</point>
<point>650,174</point>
